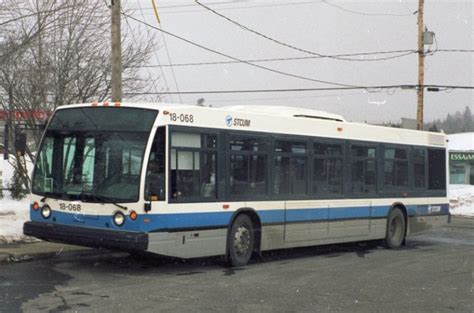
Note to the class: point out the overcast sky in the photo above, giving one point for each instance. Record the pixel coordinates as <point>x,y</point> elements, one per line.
<point>326,27</point>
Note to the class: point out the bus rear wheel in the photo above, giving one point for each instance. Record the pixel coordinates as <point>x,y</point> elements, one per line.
<point>240,241</point>
<point>396,229</point>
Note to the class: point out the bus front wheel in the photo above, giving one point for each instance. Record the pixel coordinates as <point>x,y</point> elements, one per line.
<point>241,241</point>
<point>396,229</point>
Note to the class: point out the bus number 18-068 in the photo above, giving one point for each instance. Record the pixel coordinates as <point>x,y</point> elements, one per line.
<point>183,118</point>
<point>70,207</point>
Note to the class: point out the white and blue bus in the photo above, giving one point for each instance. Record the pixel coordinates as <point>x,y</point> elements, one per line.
<point>191,181</point>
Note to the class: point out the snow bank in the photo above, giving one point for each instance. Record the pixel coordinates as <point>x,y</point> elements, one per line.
<point>13,213</point>
<point>461,200</point>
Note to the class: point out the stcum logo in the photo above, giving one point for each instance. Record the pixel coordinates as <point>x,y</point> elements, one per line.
<point>228,120</point>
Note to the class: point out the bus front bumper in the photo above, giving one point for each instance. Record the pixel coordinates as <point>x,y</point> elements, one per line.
<point>89,237</point>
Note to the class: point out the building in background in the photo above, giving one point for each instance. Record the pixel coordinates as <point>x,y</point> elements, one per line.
<point>461,158</point>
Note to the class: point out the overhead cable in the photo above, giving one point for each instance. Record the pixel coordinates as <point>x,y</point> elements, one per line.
<point>368,88</point>
<point>279,42</point>
<point>237,59</point>
<point>365,13</point>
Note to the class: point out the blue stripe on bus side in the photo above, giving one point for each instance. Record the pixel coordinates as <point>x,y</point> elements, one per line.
<point>156,222</point>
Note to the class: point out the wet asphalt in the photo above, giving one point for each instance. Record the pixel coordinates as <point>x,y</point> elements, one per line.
<point>434,272</point>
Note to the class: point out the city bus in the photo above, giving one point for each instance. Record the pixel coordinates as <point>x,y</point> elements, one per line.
<point>191,181</point>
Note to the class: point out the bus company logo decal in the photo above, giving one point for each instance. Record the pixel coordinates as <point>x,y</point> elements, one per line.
<point>228,120</point>
<point>434,209</point>
<point>236,122</point>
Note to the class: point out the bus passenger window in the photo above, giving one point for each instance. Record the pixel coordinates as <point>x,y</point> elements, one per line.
<point>193,161</point>
<point>363,169</point>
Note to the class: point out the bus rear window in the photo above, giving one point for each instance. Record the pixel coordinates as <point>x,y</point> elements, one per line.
<point>436,169</point>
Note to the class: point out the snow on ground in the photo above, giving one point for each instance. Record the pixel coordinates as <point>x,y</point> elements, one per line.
<point>461,200</point>
<point>13,213</point>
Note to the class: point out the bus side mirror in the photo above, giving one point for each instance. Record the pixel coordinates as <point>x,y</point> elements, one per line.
<point>20,144</point>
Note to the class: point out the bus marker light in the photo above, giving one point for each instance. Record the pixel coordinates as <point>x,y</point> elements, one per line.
<point>36,206</point>
<point>106,104</point>
<point>95,103</point>
<point>146,220</point>
<point>166,112</point>
<point>46,211</point>
<point>225,206</point>
<point>339,129</point>
<point>117,104</point>
<point>119,219</point>
<point>133,215</point>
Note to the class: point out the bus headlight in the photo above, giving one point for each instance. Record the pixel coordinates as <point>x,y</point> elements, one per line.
<point>119,219</point>
<point>46,211</point>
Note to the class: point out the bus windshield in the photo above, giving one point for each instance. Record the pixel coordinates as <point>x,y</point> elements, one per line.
<point>93,154</point>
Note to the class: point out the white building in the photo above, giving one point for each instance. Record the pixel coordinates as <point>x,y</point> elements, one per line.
<point>461,158</point>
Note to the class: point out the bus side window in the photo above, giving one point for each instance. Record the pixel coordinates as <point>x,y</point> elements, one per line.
<point>193,165</point>
<point>155,174</point>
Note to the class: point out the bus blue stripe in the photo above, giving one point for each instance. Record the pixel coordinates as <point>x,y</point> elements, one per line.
<point>154,222</point>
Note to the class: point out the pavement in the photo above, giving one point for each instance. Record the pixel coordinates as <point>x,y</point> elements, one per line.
<point>26,251</point>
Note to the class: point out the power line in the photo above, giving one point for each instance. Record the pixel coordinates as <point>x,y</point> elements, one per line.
<point>455,50</point>
<point>278,59</point>
<point>136,42</point>
<point>237,8</point>
<point>292,46</point>
<point>157,58</point>
<point>166,48</point>
<point>367,88</point>
<point>289,97</point>
<point>363,13</point>
<point>237,59</point>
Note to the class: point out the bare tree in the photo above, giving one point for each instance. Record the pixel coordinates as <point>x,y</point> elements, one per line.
<point>58,52</point>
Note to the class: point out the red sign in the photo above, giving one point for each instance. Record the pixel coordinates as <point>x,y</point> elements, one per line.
<point>24,115</point>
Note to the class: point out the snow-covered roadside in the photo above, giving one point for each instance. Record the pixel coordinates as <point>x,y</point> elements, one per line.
<point>13,213</point>
<point>461,200</point>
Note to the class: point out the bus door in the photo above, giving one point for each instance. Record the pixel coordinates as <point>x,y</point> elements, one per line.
<point>155,179</point>
<point>349,221</point>
<point>306,221</point>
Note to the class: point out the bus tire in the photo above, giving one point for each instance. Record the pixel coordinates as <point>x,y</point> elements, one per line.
<point>240,241</point>
<point>396,229</point>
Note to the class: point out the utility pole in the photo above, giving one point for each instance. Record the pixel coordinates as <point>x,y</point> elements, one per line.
<point>116,53</point>
<point>421,66</point>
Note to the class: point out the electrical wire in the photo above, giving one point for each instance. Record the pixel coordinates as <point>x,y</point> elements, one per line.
<point>155,10</point>
<point>363,13</point>
<point>367,88</point>
<point>137,44</point>
<point>279,42</point>
<point>157,57</point>
<point>277,59</point>
<point>237,59</point>
<point>239,7</point>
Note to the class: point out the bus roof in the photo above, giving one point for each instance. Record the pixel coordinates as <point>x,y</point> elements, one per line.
<point>282,120</point>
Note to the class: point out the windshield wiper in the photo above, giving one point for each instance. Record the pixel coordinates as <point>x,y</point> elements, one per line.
<point>105,199</point>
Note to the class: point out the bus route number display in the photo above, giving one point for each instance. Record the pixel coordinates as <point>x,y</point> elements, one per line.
<point>183,118</point>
